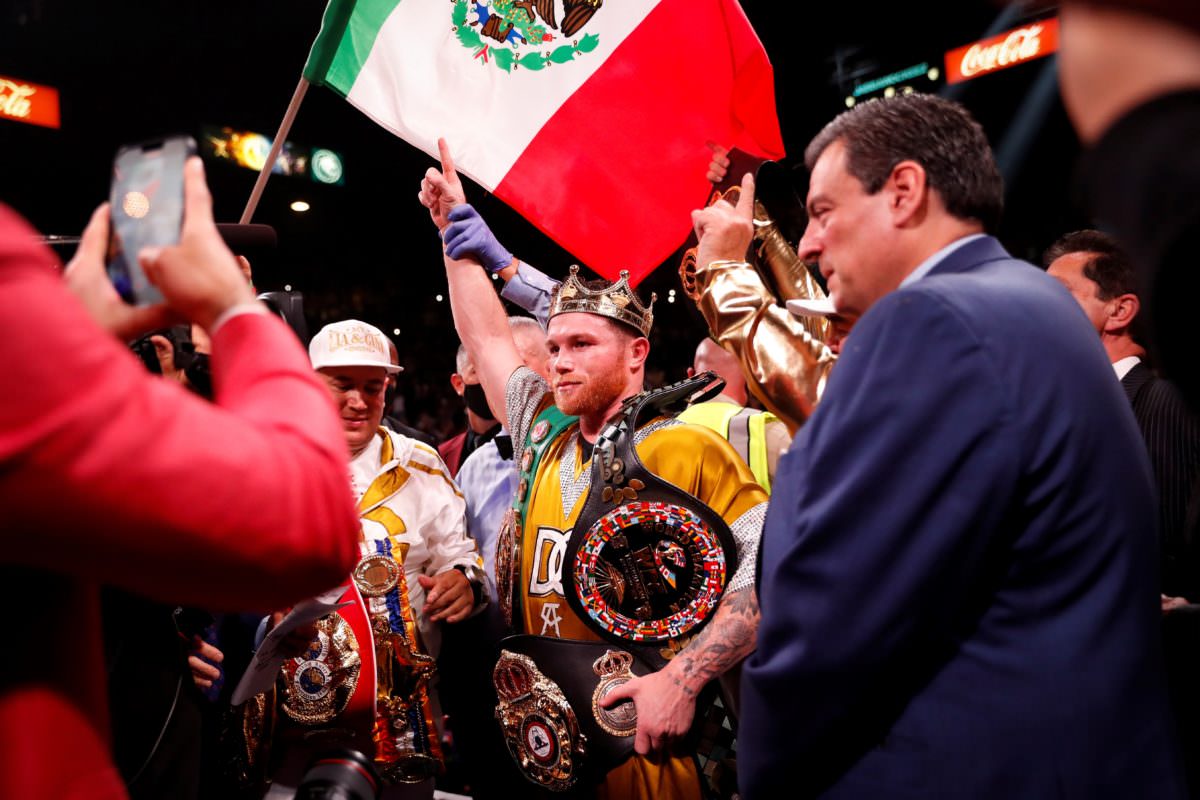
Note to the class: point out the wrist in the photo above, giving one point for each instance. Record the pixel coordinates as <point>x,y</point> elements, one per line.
<point>503,263</point>
<point>722,263</point>
<point>682,677</point>
<point>476,588</point>
<point>217,319</point>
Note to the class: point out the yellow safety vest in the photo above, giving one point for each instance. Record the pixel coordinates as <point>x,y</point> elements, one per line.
<point>745,428</point>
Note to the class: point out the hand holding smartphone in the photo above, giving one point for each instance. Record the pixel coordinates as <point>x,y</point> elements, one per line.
<point>146,210</point>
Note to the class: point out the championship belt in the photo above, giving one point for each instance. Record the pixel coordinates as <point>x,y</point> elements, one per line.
<point>326,691</point>
<point>550,711</point>
<point>545,429</point>
<point>647,563</point>
<point>405,735</point>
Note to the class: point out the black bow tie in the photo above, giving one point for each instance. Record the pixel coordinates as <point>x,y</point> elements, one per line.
<point>504,445</point>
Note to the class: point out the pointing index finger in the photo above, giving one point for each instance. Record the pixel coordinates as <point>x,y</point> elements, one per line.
<point>745,203</point>
<point>447,160</point>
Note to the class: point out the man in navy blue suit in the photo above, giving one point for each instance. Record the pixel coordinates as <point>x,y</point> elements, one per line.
<point>958,587</point>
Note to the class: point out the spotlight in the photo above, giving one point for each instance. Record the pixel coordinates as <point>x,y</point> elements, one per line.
<point>299,206</point>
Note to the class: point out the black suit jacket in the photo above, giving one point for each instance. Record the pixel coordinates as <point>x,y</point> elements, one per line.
<point>1172,435</point>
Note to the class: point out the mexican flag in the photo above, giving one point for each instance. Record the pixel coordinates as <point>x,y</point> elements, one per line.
<point>590,118</point>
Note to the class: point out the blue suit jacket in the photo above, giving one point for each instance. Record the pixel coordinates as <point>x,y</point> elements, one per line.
<point>959,591</point>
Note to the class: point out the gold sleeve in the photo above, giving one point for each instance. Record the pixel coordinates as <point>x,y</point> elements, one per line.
<point>785,361</point>
<point>702,463</point>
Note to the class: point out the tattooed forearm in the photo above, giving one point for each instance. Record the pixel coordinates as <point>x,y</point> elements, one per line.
<point>723,643</point>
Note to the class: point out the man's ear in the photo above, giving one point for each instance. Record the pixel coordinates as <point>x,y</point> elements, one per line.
<point>639,348</point>
<point>1122,311</point>
<point>909,188</point>
<point>457,382</point>
<point>165,352</point>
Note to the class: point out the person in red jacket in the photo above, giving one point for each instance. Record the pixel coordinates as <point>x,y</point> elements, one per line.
<point>110,475</point>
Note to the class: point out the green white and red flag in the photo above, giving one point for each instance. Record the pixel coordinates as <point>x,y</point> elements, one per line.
<point>589,117</point>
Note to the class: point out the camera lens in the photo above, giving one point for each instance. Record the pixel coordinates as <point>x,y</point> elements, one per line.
<point>339,775</point>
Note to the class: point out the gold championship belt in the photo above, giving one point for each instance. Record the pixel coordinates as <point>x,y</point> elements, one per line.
<point>318,684</point>
<point>551,694</point>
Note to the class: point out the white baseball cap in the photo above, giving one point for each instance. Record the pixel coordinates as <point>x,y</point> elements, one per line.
<point>350,343</point>
<point>812,308</point>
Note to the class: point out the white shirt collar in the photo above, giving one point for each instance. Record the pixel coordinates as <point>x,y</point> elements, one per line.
<point>925,266</point>
<point>1123,366</point>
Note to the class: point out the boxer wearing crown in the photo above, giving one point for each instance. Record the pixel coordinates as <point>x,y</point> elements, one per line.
<point>598,347</point>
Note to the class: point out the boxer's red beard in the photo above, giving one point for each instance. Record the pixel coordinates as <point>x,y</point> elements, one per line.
<point>595,395</point>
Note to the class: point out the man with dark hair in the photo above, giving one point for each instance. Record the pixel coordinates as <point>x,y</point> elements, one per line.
<point>1102,279</point>
<point>957,580</point>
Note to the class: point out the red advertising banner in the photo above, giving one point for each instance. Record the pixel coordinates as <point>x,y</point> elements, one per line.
<point>1003,51</point>
<point>23,101</point>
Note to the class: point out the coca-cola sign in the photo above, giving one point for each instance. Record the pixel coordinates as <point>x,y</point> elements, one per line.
<point>28,102</point>
<point>1001,52</point>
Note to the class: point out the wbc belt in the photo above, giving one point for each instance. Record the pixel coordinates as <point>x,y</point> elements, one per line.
<point>647,563</point>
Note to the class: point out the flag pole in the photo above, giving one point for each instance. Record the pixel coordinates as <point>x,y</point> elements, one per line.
<point>285,127</point>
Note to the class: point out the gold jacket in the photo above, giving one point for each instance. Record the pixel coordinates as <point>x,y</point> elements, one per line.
<point>784,357</point>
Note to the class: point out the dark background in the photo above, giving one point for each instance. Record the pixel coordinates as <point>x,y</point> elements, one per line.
<point>130,71</point>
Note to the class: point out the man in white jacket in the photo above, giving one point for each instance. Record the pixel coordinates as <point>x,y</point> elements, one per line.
<point>369,668</point>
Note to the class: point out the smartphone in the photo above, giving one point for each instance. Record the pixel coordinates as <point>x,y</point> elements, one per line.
<point>145,209</point>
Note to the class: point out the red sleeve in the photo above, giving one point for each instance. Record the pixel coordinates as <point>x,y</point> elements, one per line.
<point>119,476</point>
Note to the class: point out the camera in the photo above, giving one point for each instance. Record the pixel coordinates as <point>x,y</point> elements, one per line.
<point>340,775</point>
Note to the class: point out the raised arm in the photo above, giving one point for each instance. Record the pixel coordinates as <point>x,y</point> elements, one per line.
<point>786,365</point>
<point>483,329</point>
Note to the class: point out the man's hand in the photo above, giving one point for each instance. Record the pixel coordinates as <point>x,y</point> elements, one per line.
<point>724,231</point>
<point>201,662</point>
<point>664,709</point>
<point>199,277</point>
<point>448,596</point>
<point>87,279</point>
<point>1169,604</point>
<point>468,236</point>
<point>718,168</point>
<point>441,190</point>
<point>295,643</point>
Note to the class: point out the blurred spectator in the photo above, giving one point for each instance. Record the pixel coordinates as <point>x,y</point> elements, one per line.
<point>133,482</point>
<point>481,423</point>
<point>1130,78</point>
<point>1101,278</point>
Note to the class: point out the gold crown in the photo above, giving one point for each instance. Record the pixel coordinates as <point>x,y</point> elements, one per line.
<point>613,662</point>
<point>514,676</point>
<point>617,301</point>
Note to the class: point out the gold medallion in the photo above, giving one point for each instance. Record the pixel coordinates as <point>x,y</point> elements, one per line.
<point>613,669</point>
<point>376,575</point>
